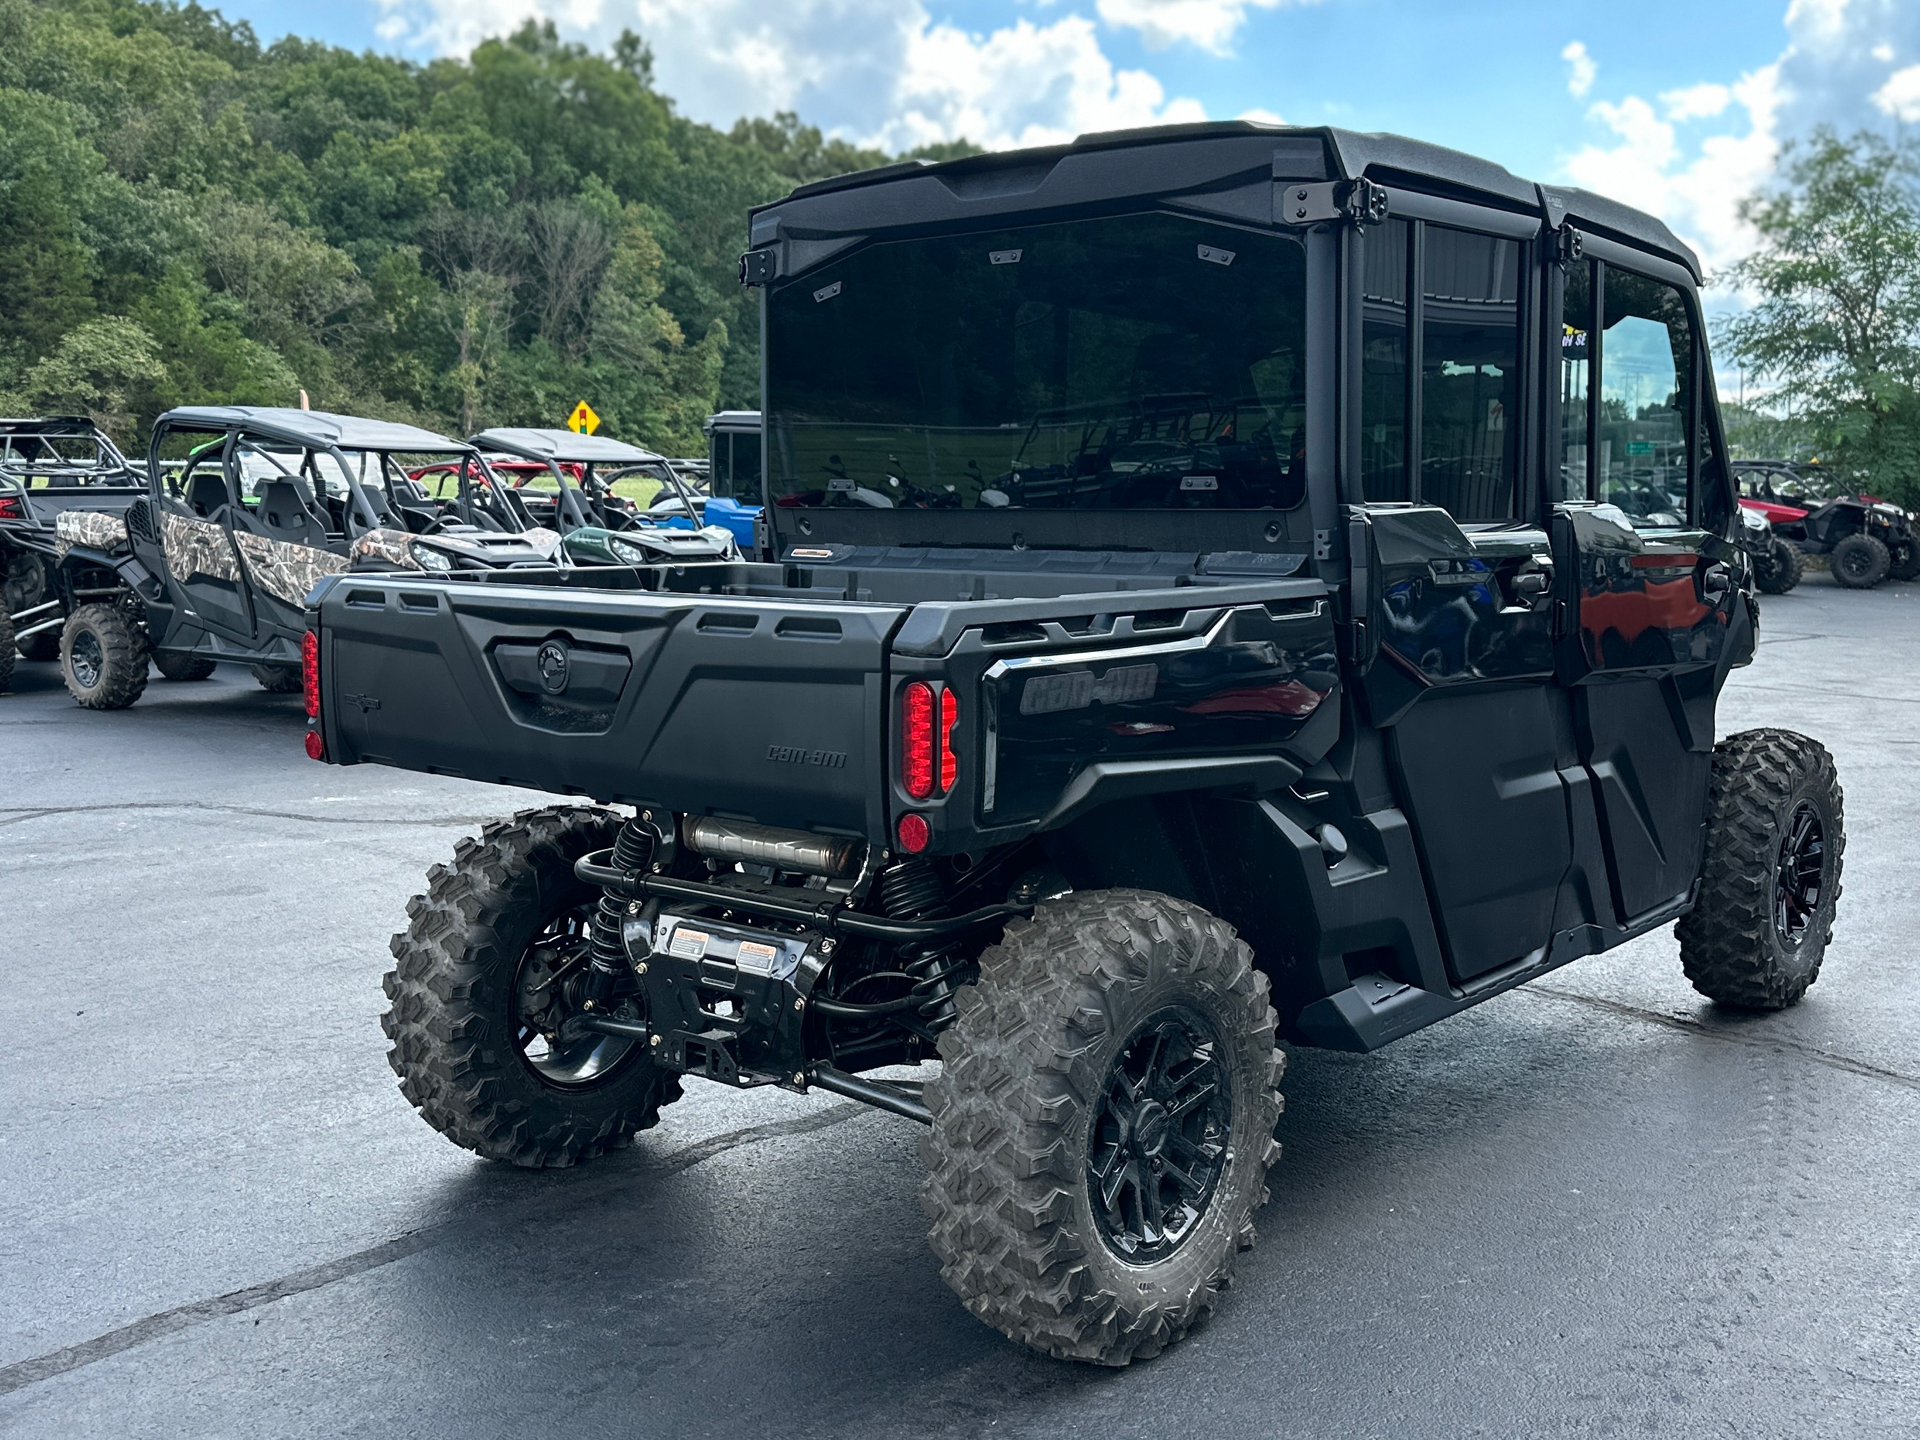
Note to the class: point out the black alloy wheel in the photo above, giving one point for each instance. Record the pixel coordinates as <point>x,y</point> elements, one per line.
<point>1159,1137</point>
<point>87,659</point>
<point>546,999</point>
<point>1797,874</point>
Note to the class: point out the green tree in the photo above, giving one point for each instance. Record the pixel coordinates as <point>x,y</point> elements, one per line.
<point>1835,329</point>
<point>108,368</point>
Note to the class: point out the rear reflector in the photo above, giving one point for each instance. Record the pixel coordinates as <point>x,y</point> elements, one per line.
<point>912,832</point>
<point>316,747</point>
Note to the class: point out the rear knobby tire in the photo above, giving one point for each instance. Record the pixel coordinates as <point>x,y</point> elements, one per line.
<point>1781,571</point>
<point>452,1021</point>
<point>1859,562</point>
<point>1750,942</point>
<point>6,649</point>
<point>181,666</point>
<point>277,679</point>
<point>1904,561</point>
<point>103,658</point>
<point>1024,1097</point>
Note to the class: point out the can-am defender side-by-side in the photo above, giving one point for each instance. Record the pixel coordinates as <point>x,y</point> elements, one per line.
<point>213,562</point>
<point>61,481</point>
<point>1234,583</point>
<point>596,526</point>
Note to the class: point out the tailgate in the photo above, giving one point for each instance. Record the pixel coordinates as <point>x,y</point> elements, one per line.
<point>761,709</point>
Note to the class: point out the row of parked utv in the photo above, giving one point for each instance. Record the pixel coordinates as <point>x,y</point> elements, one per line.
<point>206,552</point>
<point>1785,519</point>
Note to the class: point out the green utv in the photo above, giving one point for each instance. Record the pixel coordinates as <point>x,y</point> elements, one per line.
<point>1232,584</point>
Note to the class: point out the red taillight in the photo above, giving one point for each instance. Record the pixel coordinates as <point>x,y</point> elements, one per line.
<point>917,739</point>
<point>912,832</point>
<point>949,718</point>
<point>310,672</point>
<point>927,765</point>
<point>10,507</point>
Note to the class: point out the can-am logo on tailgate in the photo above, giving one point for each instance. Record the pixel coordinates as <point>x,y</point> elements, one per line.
<point>800,755</point>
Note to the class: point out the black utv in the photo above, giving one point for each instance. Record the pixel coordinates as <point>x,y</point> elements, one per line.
<point>1233,584</point>
<point>62,482</point>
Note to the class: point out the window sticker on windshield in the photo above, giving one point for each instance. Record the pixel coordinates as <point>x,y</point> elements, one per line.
<point>1214,256</point>
<point>1003,257</point>
<point>827,292</point>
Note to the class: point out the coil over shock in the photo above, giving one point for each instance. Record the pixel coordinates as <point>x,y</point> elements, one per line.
<point>910,890</point>
<point>633,849</point>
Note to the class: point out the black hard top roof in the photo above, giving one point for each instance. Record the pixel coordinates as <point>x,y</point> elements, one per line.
<point>309,428</point>
<point>1208,158</point>
<point>49,425</point>
<point>562,446</point>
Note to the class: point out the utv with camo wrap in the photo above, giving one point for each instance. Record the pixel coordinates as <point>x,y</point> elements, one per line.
<point>62,482</point>
<point>1234,584</point>
<point>213,562</point>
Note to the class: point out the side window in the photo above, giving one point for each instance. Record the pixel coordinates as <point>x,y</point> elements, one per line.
<point>1384,363</point>
<point>1646,385</point>
<point>1577,323</point>
<point>1440,369</point>
<point>1470,372</point>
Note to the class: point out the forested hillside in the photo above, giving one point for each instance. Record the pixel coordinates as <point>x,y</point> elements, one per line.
<point>188,216</point>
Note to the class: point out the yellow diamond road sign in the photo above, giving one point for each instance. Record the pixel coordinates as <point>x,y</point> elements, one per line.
<point>583,421</point>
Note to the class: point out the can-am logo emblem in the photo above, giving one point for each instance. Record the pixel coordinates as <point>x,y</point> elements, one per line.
<point>552,662</point>
<point>801,755</point>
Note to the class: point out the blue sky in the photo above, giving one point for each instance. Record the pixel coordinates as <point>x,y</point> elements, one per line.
<point>1679,108</point>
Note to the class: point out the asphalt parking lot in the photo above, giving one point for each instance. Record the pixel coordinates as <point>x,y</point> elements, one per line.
<point>1592,1207</point>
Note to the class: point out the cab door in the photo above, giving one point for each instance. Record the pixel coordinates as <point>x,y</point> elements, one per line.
<point>1648,615</point>
<point>1455,655</point>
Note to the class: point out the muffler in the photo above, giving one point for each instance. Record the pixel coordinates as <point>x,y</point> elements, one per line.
<point>830,855</point>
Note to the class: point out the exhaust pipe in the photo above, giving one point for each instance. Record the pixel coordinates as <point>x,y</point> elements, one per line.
<point>830,855</point>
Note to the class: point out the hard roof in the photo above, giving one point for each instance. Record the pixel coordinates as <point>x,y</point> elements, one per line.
<point>563,446</point>
<point>733,420</point>
<point>48,425</point>
<point>1173,159</point>
<point>308,427</point>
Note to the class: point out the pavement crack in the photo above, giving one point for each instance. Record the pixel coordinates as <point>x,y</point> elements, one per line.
<point>23,1373</point>
<point>16,815</point>
<point>1711,1032</point>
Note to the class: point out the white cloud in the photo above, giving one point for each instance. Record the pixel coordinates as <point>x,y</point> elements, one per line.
<point>1839,68</point>
<point>1696,102</point>
<point>1580,69</point>
<point>879,72</point>
<point>1021,85</point>
<point>1261,116</point>
<point>1208,24</point>
<point>1697,194</point>
<point>1901,96</point>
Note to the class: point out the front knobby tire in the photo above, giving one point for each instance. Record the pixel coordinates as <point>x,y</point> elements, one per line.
<point>1771,874</point>
<point>103,658</point>
<point>1859,562</point>
<point>1117,1035</point>
<point>1781,571</point>
<point>477,1033</point>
